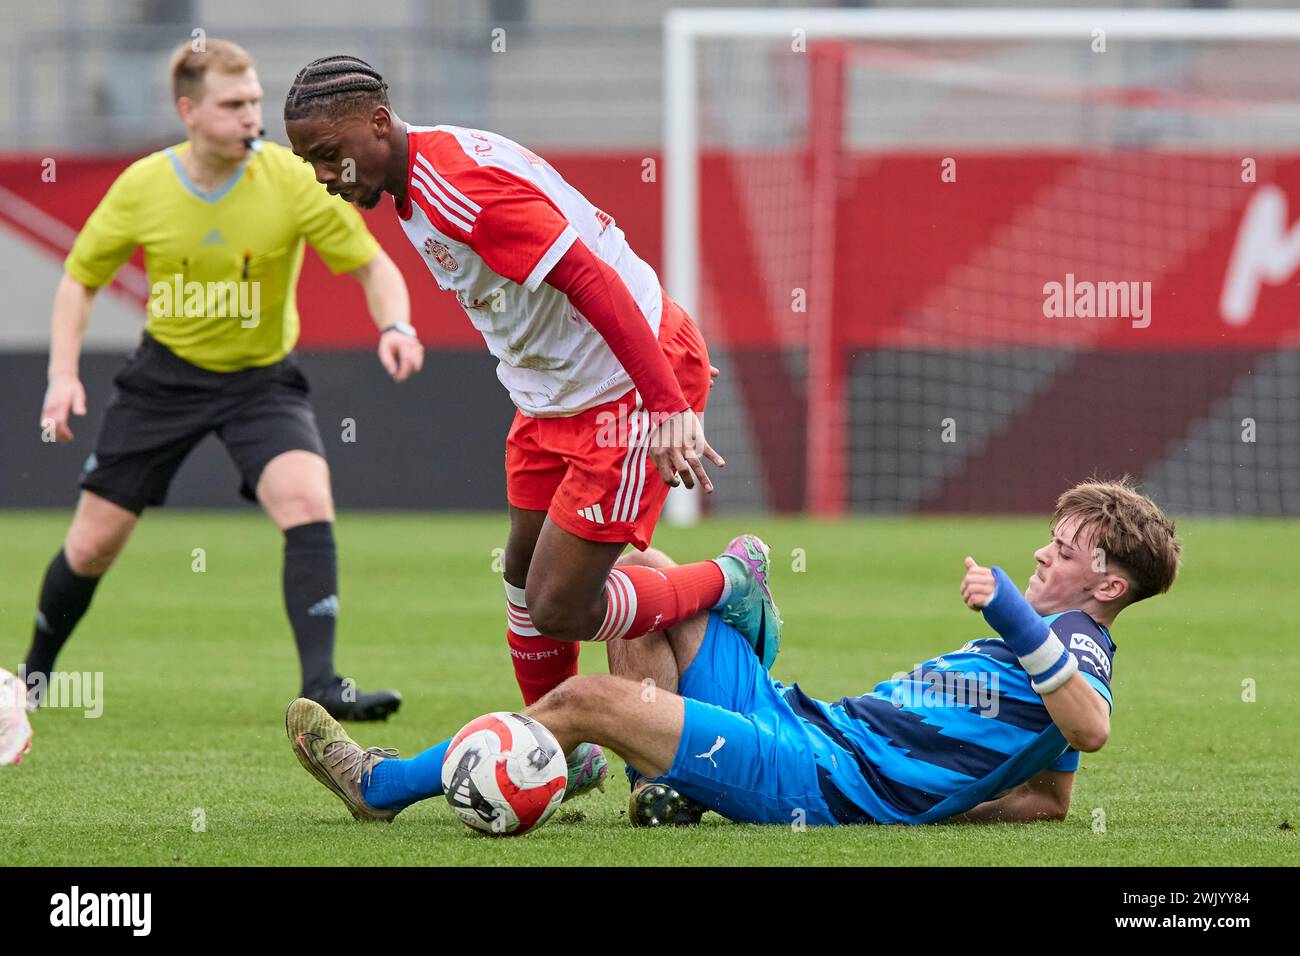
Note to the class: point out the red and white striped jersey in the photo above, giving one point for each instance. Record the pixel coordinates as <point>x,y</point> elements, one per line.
<point>491,219</point>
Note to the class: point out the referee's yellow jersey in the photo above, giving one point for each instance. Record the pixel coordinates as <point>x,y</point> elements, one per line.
<point>223,265</point>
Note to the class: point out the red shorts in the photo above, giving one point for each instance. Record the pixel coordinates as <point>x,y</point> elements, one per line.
<point>591,472</point>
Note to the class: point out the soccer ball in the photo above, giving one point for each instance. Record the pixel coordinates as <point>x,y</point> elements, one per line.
<point>504,774</point>
<point>15,729</point>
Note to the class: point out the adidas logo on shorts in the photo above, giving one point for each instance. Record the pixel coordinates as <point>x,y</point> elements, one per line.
<point>592,513</point>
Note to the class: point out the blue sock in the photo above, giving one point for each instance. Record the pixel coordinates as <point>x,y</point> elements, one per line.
<point>396,784</point>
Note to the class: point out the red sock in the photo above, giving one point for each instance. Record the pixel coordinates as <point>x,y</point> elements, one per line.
<point>640,600</point>
<point>541,664</point>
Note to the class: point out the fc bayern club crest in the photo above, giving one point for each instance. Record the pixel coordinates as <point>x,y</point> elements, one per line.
<point>440,254</point>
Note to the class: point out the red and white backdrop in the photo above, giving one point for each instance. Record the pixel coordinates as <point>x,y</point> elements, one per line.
<point>938,382</point>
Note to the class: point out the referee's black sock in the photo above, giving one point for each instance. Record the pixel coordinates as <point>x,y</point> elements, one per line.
<point>311,585</point>
<point>65,595</point>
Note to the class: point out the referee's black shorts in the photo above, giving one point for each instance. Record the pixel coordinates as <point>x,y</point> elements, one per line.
<point>164,406</point>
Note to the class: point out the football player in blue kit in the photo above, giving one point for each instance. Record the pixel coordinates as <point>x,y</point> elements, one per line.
<point>991,731</point>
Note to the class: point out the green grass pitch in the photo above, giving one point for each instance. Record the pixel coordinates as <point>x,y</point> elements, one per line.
<point>198,668</point>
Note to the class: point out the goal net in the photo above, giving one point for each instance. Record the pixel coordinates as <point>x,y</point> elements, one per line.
<point>953,260</point>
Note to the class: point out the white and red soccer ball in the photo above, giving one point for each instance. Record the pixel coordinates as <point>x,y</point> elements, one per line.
<point>504,774</point>
<point>15,729</point>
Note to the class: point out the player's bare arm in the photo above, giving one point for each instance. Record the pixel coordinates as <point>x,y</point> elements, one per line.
<point>693,446</point>
<point>64,395</point>
<point>678,447</point>
<point>1082,715</point>
<point>1044,797</point>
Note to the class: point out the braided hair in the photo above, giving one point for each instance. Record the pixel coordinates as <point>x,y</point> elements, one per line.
<point>334,86</point>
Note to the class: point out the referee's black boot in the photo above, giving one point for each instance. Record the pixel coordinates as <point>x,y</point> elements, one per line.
<point>345,701</point>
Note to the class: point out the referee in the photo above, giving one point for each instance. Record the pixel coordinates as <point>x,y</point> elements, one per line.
<point>222,219</point>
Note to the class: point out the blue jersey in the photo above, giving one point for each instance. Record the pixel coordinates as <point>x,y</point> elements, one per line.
<point>960,729</point>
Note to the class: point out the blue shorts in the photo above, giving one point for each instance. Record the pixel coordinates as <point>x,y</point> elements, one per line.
<point>743,752</point>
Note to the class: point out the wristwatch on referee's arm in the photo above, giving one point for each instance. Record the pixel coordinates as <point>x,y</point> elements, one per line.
<point>406,328</point>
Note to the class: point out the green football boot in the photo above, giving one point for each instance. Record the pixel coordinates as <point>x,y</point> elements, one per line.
<point>748,606</point>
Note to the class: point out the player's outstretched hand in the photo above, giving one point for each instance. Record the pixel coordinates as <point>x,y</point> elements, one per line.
<point>65,396</point>
<point>978,585</point>
<point>402,355</point>
<point>678,447</point>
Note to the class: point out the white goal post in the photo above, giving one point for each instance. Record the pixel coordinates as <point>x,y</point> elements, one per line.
<point>686,29</point>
